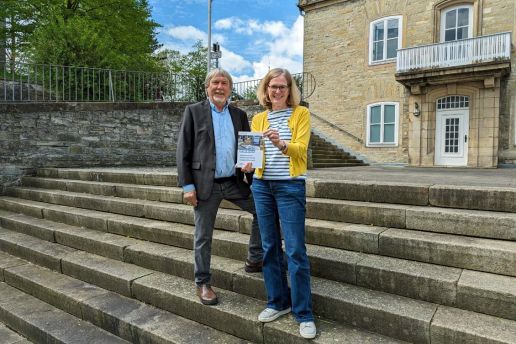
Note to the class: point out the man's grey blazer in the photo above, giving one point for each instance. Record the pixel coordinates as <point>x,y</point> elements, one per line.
<point>195,156</point>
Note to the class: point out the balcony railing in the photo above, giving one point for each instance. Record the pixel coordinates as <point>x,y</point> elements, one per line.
<point>457,53</point>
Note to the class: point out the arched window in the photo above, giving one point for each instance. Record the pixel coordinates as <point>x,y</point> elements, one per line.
<point>456,23</point>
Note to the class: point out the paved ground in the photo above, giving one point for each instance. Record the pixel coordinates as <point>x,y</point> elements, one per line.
<point>454,176</point>
<point>501,177</point>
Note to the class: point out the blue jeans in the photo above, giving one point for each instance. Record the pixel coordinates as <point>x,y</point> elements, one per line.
<point>287,199</point>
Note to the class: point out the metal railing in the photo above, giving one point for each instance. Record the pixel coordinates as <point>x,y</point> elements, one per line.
<point>456,53</point>
<point>25,82</point>
<point>247,89</point>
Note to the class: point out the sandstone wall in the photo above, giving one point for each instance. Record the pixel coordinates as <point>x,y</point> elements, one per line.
<point>336,48</point>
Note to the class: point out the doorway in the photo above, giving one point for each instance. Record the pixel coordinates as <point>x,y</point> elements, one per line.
<point>452,129</point>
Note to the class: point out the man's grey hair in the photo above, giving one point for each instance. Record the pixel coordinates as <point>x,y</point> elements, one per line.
<point>218,72</point>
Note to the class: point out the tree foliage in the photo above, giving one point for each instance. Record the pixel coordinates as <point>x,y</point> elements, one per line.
<point>191,67</point>
<point>117,34</point>
<point>17,22</point>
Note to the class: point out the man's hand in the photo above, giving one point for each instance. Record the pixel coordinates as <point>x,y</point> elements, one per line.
<point>190,198</point>
<point>248,167</point>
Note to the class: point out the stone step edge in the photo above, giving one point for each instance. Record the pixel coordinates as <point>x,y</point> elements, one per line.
<point>9,336</point>
<point>66,293</point>
<point>419,218</point>
<point>139,281</point>
<point>432,194</point>
<point>43,323</point>
<point>384,215</point>
<point>352,266</point>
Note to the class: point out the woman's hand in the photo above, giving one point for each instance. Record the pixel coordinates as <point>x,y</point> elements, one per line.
<point>273,135</point>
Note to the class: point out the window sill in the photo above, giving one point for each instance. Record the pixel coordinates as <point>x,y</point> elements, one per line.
<point>382,62</point>
<point>381,145</point>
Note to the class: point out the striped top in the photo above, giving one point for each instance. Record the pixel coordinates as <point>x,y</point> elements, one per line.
<point>277,164</point>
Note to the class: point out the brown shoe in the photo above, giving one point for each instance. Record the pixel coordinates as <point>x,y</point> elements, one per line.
<point>253,267</point>
<point>206,295</point>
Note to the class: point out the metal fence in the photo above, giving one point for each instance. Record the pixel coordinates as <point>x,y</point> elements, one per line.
<point>247,89</point>
<point>25,82</point>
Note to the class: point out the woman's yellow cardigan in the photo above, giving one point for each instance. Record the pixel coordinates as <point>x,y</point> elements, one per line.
<point>299,124</point>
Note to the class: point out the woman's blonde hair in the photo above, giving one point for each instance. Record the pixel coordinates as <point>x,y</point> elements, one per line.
<point>294,96</point>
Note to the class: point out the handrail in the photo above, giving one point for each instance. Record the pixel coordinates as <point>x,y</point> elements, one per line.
<point>356,138</point>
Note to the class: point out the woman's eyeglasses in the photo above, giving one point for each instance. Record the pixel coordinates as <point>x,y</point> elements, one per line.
<point>281,88</point>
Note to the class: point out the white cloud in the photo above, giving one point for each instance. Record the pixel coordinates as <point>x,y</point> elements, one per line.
<point>227,23</point>
<point>191,34</point>
<point>281,46</point>
<point>263,45</point>
<point>232,62</point>
<point>186,33</point>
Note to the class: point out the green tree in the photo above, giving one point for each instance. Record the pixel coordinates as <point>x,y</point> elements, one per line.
<point>191,70</point>
<point>17,22</point>
<point>115,34</point>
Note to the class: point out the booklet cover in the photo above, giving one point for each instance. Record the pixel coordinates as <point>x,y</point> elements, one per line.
<point>250,149</point>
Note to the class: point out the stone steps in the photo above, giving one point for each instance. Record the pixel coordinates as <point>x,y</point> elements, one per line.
<point>487,224</point>
<point>324,164</point>
<point>488,255</point>
<point>11,337</point>
<point>499,199</point>
<point>44,323</point>
<point>236,313</point>
<point>325,154</point>
<point>433,283</point>
<point>427,282</point>
<point>125,317</point>
<point>417,262</point>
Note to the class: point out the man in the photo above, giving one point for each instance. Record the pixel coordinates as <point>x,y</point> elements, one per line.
<point>206,158</point>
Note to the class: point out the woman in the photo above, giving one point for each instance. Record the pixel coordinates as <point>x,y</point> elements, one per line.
<point>279,188</point>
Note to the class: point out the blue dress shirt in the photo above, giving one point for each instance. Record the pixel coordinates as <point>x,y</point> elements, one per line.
<point>225,144</point>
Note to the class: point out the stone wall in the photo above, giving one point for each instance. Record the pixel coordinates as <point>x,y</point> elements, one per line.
<point>85,135</point>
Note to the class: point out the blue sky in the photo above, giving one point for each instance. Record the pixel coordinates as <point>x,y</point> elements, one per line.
<point>254,34</point>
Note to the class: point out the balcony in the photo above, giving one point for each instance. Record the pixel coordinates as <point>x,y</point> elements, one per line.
<point>478,58</point>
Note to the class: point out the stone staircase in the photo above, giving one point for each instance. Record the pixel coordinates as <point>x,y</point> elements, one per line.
<point>325,154</point>
<point>104,256</point>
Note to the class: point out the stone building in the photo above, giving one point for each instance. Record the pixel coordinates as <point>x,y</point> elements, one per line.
<point>420,82</point>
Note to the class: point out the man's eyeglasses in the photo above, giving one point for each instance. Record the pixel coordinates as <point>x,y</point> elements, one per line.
<point>275,88</point>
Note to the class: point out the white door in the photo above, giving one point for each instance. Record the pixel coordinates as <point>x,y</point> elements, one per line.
<point>452,128</point>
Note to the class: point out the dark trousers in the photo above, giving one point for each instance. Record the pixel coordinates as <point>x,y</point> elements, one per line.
<point>205,214</point>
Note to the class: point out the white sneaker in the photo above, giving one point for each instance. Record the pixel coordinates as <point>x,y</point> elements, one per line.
<point>269,314</point>
<point>307,329</point>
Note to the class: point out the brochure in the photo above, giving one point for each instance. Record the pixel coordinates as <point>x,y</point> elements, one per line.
<point>250,149</point>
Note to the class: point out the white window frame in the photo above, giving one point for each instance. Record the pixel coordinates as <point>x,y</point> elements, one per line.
<point>396,125</point>
<point>371,39</point>
<point>449,9</point>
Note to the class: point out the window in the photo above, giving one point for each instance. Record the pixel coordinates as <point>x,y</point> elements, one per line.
<point>382,124</point>
<point>457,23</point>
<point>384,39</point>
